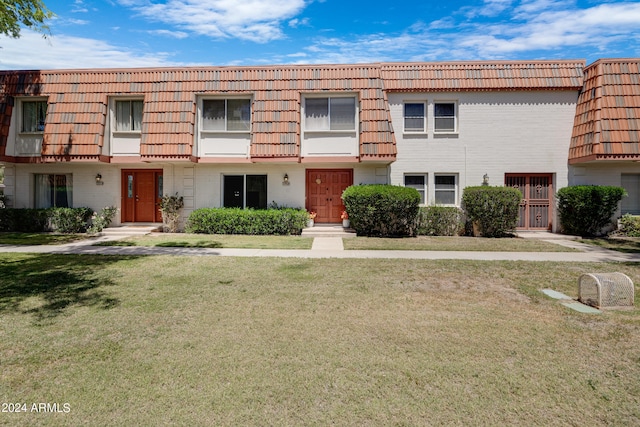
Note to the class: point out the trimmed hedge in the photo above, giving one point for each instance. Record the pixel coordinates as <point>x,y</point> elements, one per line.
<point>440,221</point>
<point>382,210</point>
<point>62,220</point>
<point>247,221</point>
<point>70,220</point>
<point>494,209</point>
<point>585,210</point>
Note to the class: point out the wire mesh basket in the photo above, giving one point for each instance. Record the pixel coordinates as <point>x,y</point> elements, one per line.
<point>603,290</point>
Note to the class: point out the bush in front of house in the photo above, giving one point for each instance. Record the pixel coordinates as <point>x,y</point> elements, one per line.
<point>281,221</point>
<point>70,220</point>
<point>440,221</point>
<point>585,210</point>
<point>494,210</point>
<point>382,210</point>
<point>24,220</point>
<point>61,220</point>
<point>629,225</point>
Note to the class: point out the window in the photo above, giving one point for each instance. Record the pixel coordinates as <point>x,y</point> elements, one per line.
<point>414,118</point>
<point>33,116</point>
<point>419,182</point>
<point>245,191</point>
<point>129,116</point>
<point>54,191</point>
<point>444,117</point>
<point>631,203</point>
<point>226,115</point>
<point>329,114</point>
<point>445,191</point>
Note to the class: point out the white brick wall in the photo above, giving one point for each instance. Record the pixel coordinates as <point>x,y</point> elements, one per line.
<point>498,133</point>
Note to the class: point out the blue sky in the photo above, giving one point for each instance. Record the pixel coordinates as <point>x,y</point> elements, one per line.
<point>152,33</point>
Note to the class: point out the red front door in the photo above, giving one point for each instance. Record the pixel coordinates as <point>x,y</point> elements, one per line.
<point>141,192</point>
<point>324,192</point>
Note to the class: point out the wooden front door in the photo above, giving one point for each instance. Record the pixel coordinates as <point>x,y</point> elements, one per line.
<point>141,192</point>
<point>535,208</point>
<point>324,192</point>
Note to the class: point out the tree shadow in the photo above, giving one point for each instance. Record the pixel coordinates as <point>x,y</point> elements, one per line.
<point>59,282</point>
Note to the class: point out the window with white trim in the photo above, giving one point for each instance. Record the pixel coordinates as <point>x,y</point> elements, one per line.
<point>444,117</point>
<point>330,114</point>
<point>244,191</point>
<point>128,115</point>
<point>414,117</point>
<point>419,182</point>
<point>53,190</point>
<point>226,115</point>
<point>34,114</point>
<point>446,189</point>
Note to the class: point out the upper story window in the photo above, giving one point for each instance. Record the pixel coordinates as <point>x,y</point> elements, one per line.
<point>226,115</point>
<point>129,115</point>
<point>33,115</point>
<point>444,114</point>
<point>414,117</point>
<point>330,114</point>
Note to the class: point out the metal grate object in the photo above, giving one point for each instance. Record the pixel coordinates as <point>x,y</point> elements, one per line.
<point>603,290</point>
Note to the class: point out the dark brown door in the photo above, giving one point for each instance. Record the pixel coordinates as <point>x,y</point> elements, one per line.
<point>324,192</point>
<point>535,208</point>
<point>141,192</point>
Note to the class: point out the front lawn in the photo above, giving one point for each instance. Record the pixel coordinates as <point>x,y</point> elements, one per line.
<point>425,243</point>
<point>629,245</point>
<point>185,240</point>
<point>272,341</point>
<point>39,238</point>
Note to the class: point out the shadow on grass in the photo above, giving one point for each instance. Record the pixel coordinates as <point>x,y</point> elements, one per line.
<point>198,244</point>
<point>624,245</point>
<point>58,282</point>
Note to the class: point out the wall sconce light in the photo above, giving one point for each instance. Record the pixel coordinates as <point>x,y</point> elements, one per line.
<point>99,179</point>
<point>485,179</point>
<point>285,179</point>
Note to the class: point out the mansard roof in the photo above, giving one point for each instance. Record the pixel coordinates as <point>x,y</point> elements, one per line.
<point>78,100</point>
<point>607,121</point>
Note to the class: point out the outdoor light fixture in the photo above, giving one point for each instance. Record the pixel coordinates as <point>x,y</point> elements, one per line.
<point>485,179</point>
<point>99,179</point>
<point>285,179</point>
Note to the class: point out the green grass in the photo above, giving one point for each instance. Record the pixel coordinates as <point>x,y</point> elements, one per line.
<point>39,238</point>
<point>215,241</point>
<point>424,243</point>
<point>270,341</point>
<point>621,244</point>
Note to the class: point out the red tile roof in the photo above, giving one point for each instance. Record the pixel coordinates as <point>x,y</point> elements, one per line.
<point>483,75</point>
<point>78,100</point>
<point>607,122</point>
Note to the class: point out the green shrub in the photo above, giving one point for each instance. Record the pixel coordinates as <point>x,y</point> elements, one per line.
<point>101,220</point>
<point>494,209</point>
<point>440,221</point>
<point>70,220</point>
<point>630,225</point>
<point>247,221</point>
<point>585,210</point>
<point>382,210</point>
<point>24,220</point>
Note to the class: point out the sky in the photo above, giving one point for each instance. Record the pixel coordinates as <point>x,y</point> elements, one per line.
<point>155,33</point>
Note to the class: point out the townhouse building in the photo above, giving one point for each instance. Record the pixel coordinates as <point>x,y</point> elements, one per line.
<point>298,135</point>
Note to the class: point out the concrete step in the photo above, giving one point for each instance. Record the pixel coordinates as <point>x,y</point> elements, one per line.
<point>131,230</point>
<point>328,230</point>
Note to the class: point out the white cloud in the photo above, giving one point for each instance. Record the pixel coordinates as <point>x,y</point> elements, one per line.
<point>167,33</point>
<point>58,52</point>
<point>254,20</point>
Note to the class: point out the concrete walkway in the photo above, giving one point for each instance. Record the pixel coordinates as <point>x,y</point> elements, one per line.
<point>331,247</point>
